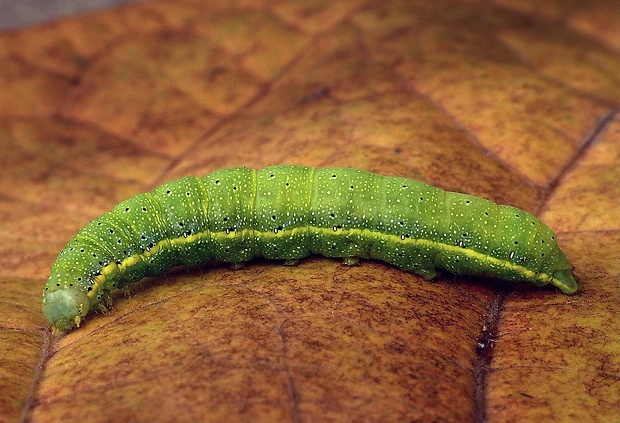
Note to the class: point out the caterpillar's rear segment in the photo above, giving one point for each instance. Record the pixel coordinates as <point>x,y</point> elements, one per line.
<point>565,281</point>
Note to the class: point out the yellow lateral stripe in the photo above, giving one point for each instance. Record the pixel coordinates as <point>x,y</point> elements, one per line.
<point>113,268</point>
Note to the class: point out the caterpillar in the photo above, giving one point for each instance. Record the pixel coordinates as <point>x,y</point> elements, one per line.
<point>289,212</point>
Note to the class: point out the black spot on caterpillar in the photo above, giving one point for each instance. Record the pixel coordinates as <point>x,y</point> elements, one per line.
<point>290,212</point>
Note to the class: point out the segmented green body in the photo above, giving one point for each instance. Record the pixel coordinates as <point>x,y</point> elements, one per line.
<point>290,212</point>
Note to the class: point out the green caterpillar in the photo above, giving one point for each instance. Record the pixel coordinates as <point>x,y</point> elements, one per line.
<point>290,212</point>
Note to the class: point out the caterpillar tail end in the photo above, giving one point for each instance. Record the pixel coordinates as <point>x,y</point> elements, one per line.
<point>65,308</point>
<point>565,281</point>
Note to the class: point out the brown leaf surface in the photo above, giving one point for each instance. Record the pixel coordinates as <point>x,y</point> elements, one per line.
<point>502,99</point>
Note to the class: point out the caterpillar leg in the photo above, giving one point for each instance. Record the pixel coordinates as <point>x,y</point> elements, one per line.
<point>426,273</point>
<point>291,262</point>
<point>105,304</point>
<point>237,266</point>
<point>104,309</point>
<point>107,299</point>
<point>126,291</point>
<point>351,261</point>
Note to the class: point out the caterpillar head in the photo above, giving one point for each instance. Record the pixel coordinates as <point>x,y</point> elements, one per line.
<point>65,307</point>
